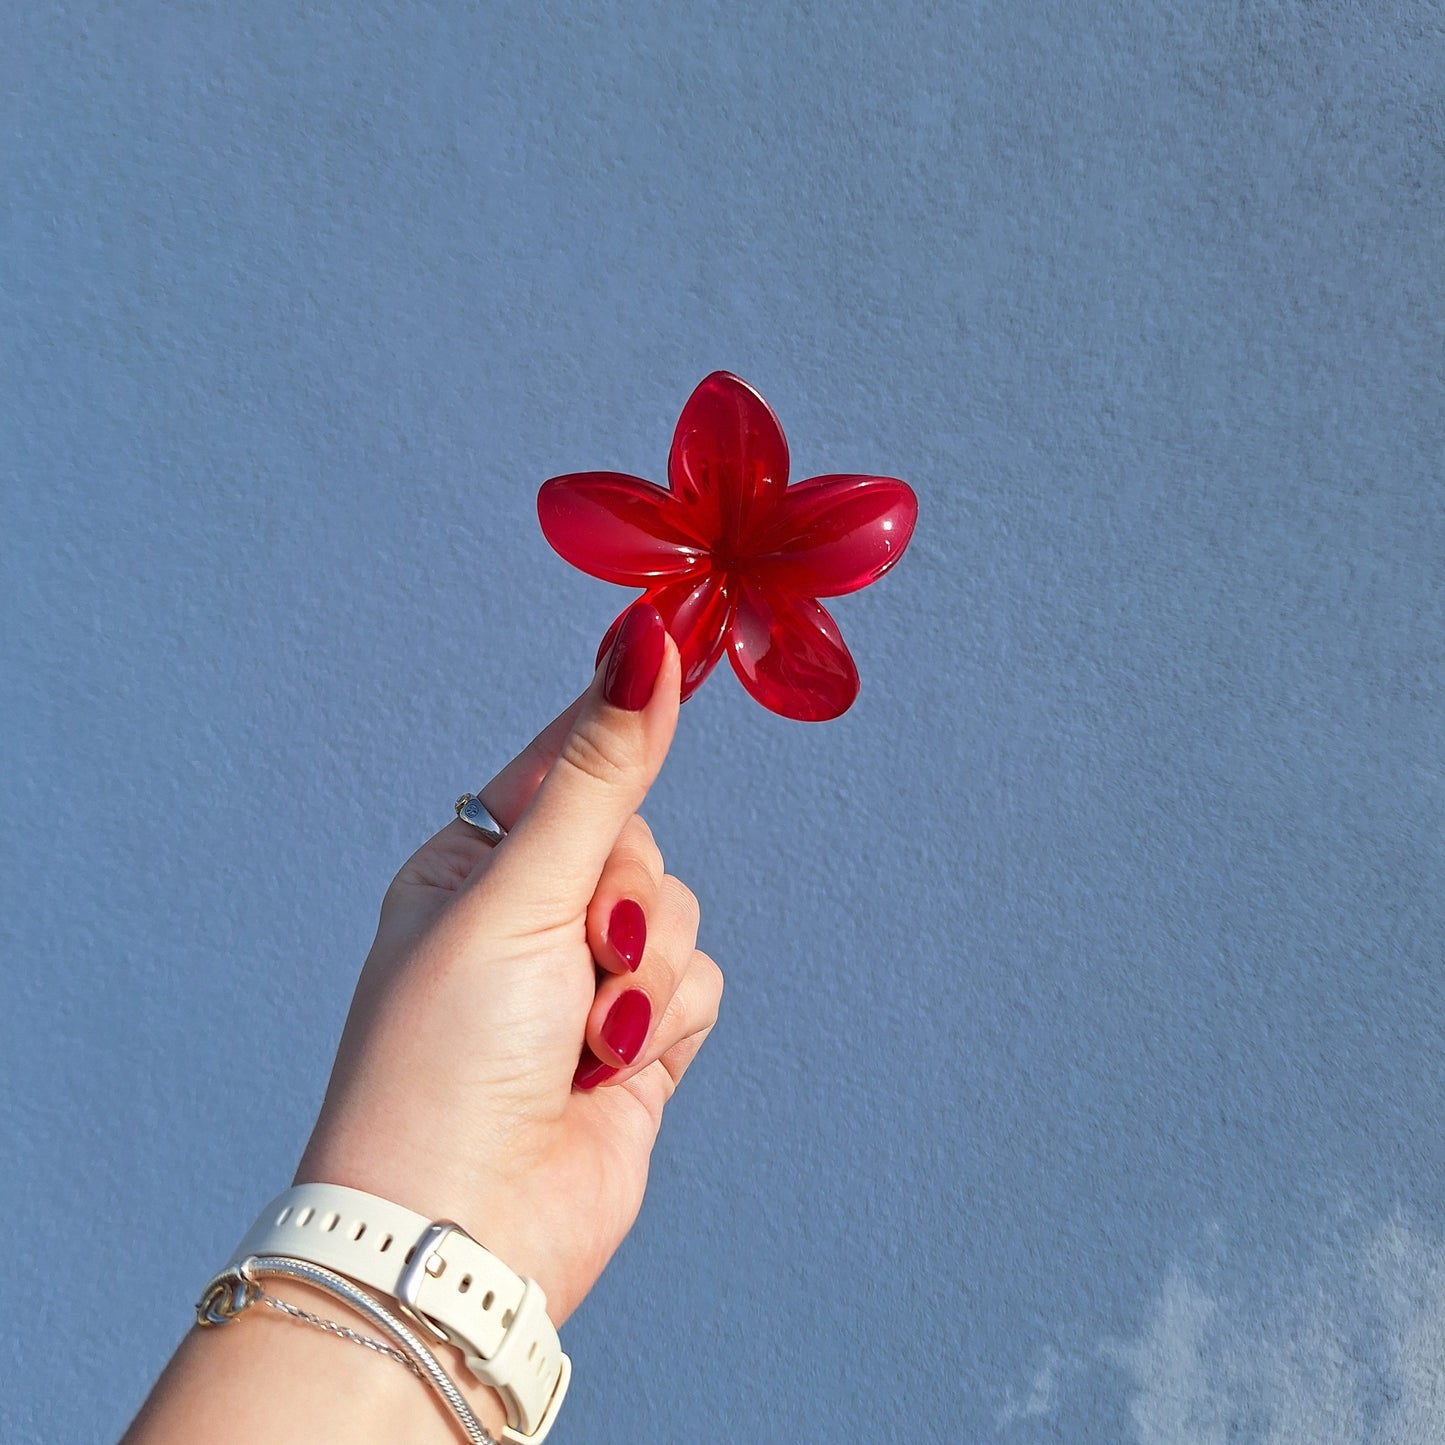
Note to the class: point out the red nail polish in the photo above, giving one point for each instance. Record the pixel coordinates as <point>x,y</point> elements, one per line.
<point>627,932</point>
<point>591,1071</point>
<point>625,1030</point>
<point>635,658</point>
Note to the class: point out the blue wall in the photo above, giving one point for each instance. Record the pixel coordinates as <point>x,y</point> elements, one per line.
<point>1080,1071</point>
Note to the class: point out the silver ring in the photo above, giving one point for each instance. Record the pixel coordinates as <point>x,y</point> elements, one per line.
<point>470,810</point>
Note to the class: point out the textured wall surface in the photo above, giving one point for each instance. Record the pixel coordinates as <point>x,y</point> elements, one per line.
<point>1080,1072</point>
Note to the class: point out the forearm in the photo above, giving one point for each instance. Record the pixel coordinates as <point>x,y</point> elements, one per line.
<point>267,1376</point>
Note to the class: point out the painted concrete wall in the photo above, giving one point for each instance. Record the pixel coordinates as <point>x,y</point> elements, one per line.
<point>1080,1071</point>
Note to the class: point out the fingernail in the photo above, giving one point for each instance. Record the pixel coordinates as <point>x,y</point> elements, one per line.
<point>636,656</point>
<point>591,1071</point>
<point>625,1028</point>
<point>627,932</point>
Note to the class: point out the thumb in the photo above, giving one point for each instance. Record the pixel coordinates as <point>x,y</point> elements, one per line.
<point>547,868</point>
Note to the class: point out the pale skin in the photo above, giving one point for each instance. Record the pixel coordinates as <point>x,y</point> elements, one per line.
<point>453,1088</point>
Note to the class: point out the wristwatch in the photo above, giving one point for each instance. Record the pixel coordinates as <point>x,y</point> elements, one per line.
<point>457,1291</point>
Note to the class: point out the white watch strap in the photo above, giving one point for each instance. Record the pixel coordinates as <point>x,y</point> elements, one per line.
<point>456,1289</point>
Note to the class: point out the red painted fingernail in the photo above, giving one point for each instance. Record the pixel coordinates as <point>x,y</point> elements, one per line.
<point>635,658</point>
<point>625,1029</point>
<point>591,1071</point>
<point>627,932</point>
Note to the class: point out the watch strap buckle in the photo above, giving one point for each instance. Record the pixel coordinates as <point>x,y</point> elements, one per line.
<point>408,1286</point>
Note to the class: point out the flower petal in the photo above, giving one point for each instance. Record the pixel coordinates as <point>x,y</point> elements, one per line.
<point>616,527</point>
<point>697,611</point>
<point>837,534</point>
<point>788,653</point>
<point>729,462</point>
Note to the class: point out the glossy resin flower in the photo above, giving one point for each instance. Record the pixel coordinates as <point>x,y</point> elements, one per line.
<point>733,557</point>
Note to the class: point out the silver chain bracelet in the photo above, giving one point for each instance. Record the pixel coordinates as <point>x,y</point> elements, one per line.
<point>235,1290</point>
<point>333,1328</point>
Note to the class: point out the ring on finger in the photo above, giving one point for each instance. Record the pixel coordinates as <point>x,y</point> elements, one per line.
<point>470,809</point>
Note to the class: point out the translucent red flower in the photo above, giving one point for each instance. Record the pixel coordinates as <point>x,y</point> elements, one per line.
<point>732,556</point>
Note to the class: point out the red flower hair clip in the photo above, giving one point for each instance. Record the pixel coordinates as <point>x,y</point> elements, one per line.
<point>733,557</point>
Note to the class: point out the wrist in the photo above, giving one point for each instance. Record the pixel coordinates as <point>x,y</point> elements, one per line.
<point>494,1216</point>
<point>403,1406</point>
<point>268,1376</point>
<point>458,1293</point>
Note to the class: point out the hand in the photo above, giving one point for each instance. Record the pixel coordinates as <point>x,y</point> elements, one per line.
<point>512,1043</point>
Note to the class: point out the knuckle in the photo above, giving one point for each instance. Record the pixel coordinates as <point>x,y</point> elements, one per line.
<point>642,883</point>
<point>632,864</point>
<point>712,982</point>
<point>649,852</point>
<point>599,752</point>
<point>674,1015</point>
<point>683,898</point>
<point>665,1081</point>
<point>710,970</point>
